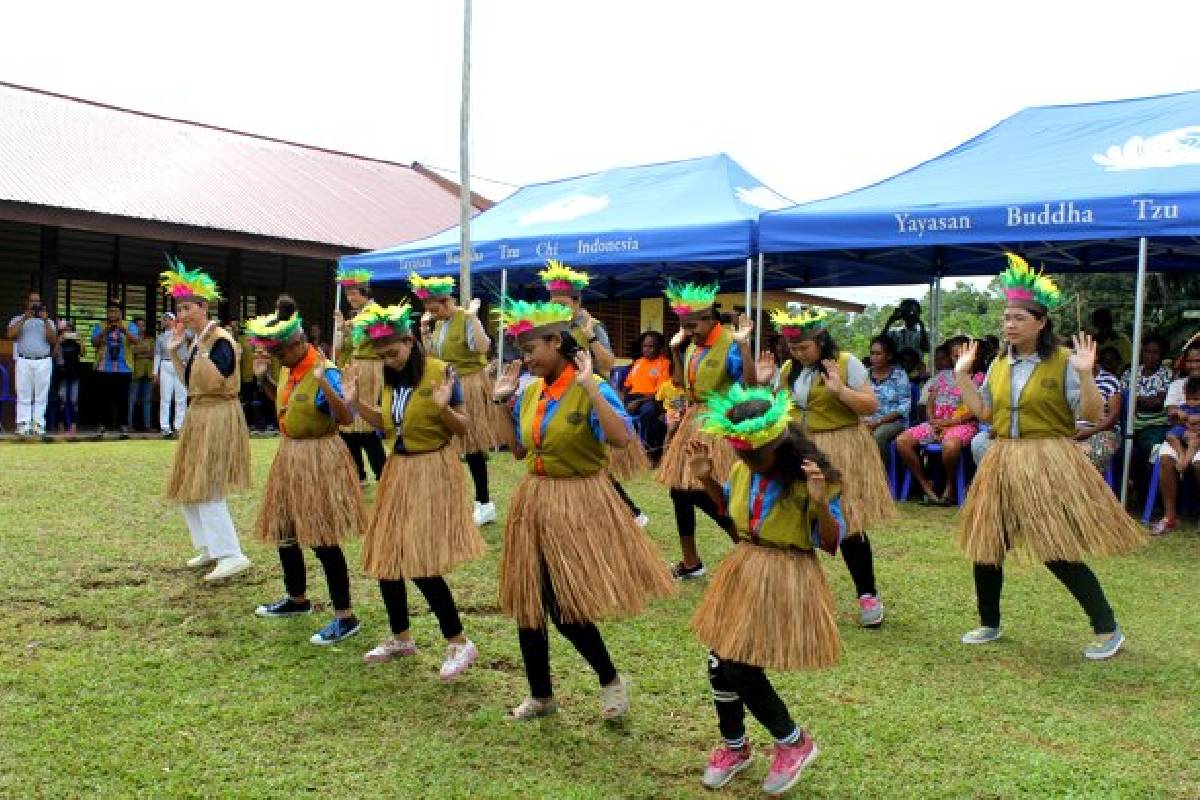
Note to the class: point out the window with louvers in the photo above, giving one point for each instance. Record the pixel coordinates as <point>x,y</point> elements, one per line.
<point>622,319</point>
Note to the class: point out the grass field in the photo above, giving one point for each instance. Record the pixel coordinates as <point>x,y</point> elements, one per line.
<point>122,674</point>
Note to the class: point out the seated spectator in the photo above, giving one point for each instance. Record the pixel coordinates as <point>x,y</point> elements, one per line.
<point>1100,442</point>
<point>892,389</point>
<point>913,365</point>
<point>1184,437</point>
<point>646,376</point>
<point>941,363</point>
<point>1106,336</point>
<point>905,327</point>
<point>1150,419</point>
<point>1172,465</point>
<point>950,424</point>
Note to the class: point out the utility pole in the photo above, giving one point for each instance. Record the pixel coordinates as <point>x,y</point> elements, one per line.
<point>464,167</point>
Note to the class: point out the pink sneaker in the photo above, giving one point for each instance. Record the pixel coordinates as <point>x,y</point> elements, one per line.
<point>389,649</point>
<point>870,611</point>
<point>790,760</point>
<point>459,657</point>
<point>724,762</point>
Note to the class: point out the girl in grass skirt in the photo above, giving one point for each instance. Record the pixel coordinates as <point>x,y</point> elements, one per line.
<point>572,553</point>
<point>423,527</point>
<point>312,498</point>
<point>1035,493</point>
<point>769,606</point>
<point>361,362</point>
<point>831,394</point>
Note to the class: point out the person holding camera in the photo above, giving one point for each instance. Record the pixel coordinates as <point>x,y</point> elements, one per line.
<point>172,389</point>
<point>114,343</point>
<point>35,336</point>
<point>911,333</point>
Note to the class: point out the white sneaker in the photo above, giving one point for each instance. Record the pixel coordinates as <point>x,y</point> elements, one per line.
<point>485,512</point>
<point>201,559</point>
<point>642,520</point>
<point>23,432</point>
<point>39,431</point>
<point>614,699</point>
<point>228,566</point>
<point>459,657</point>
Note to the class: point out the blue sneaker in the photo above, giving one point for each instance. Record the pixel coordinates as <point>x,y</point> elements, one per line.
<point>337,630</point>
<point>1105,647</point>
<point>283,607</point>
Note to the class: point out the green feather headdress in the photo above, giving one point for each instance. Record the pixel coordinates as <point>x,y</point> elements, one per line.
<point>182,283</point>
<point>689,298</point>
<point>561,280</point>
<point>749,434</point>
<point>799,326</point>
<point>376,323</point>
<point>270,332</point>
<point>353,277</point>
<point>1025,288</point>
<point>522,320</point>
<point>436,286</point>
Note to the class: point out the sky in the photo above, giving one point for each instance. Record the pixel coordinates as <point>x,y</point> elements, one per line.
<point>814,99</point>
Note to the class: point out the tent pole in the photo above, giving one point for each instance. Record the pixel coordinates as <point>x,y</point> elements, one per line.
<point>337,306</point>
<point>1134,366</point>
<point>500,325</point>
<point>758,306</point>
<point>464,171</point>
<point>749,290</point>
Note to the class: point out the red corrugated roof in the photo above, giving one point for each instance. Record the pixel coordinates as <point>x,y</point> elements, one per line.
<point>63,152</point>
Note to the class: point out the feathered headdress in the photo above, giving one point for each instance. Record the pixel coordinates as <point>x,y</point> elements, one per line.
<point>690,298</point>
<point>523,320</point>
<point>437,286</point>
<point>188,284</point>
<point>349,278</point>
<point>1027,289</point>
<point>377,324</point>
<point>271,332</point>
<point>806,324</point>
<point>751,433</point>
<point>561,281</point>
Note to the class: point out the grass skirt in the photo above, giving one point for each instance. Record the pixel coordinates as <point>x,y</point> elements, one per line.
<point>673,470</point>
<point>483,416</point>
<point>369,372</point>
<point>629,462</point>
<point>213,457</point>
<point>771,608</point>
<point>1043,499</point>
<point>600,563</point>
<point>312,494</point>
<point>423,525</point>
<point>866,498</point>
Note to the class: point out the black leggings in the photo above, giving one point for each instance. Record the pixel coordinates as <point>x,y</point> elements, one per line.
<point>477,465</point>
<point>115,389</point>
<point>737,687</point>
<point>1080,581</point>
<point>333,561</point>
<point>686,502</point>
<point>856,552</point>
<point>437,594</point>
<point>625,498</point>
<point>535,647</point>
<point>370,442</point>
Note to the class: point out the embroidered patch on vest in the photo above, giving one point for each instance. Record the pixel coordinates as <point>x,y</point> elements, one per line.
<point>1050,383</point>
<point>426,392</point>
<point>302,398</point>
<point>575,418</point>
<point>708,364</point>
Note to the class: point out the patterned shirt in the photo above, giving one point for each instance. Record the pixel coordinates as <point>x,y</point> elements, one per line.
<point>1149,386</point>
<point>894,394</point>
<point>1108,385</point>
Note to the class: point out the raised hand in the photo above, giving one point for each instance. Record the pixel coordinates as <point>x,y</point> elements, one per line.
<point>350,389</point>
<point>699,459</point>
<point>444,388</point>
<point>1083,353</point>
<point>426,320</point>
<point>833,375</point>
<point>583,368</point>
<point>814,481</point>
<point>510,378</point>
<point>473,307</point>
<point>966,358</point>
<point>679,338</point>
<point>588,323</point>
<point>745,326</point>
<point>318,371</point>
<point>262,363</point>
<point>764,368</point>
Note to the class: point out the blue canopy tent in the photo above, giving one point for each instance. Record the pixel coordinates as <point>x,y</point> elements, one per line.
<point>1087,188</point>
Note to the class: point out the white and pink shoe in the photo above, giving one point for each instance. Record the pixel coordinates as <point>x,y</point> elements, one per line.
<point>459,658</point>
<point>389,649</point>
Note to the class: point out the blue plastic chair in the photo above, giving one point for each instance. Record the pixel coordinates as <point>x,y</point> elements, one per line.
<point>893,470</point>
<point>1186,500</point>
<point>6,395</point>
<point>960,478</point>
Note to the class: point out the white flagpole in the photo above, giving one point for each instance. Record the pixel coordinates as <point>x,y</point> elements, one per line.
<point>1134,367</point>
<point>464,168</point>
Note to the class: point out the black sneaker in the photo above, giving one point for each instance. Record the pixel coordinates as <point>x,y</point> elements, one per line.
<point>682,572</point>
<point>337,630</point>
<point>284,607</point>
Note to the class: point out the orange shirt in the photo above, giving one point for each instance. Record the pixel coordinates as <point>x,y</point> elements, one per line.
<point>647,375</point>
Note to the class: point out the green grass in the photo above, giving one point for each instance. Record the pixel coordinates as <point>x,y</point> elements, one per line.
<point>122,674</point>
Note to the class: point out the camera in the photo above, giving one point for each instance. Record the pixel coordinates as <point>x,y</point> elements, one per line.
<point>36,308</point>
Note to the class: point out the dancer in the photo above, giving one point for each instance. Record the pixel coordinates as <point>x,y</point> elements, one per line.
<point>1035,494</point>
<point>213,457</point>
<point>361,362</point>
<point>423,527</point>
<point>565,287</point>
<point>831,393</point>
<point>312,498</point>
<point>705,358</point>
<point>459,338</point>
<point>769,605</point>
<point>571,551</point>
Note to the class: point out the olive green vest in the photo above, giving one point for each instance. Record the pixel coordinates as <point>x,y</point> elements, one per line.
<point>825,412</point>
<point>711,375</point>
<point>581,339</point>
<point>791,520</point>
<point>300,418</point>
<point>1042,409</point>
<point>568,449</point>
<point>454,348</point>
<point>423,429</point>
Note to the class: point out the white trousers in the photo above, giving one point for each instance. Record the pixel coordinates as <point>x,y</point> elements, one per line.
<point>33,387</point>
<point>171,389</point>
<point>212,528</point>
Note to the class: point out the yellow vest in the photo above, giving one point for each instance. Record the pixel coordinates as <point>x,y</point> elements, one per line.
<point>454,348</point>
<point>711,375</point>
<point>247,358</point>
<point>581,339</point>
<point>790,522</point>
<point>568,449</point>
<point>825,412</point>
<point>300,418</point>
<point>1042,409</point>
<point>423,429</point>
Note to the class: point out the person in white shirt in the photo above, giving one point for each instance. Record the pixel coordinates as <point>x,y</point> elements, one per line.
<point>35,336</point>
<point>172,389</point>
